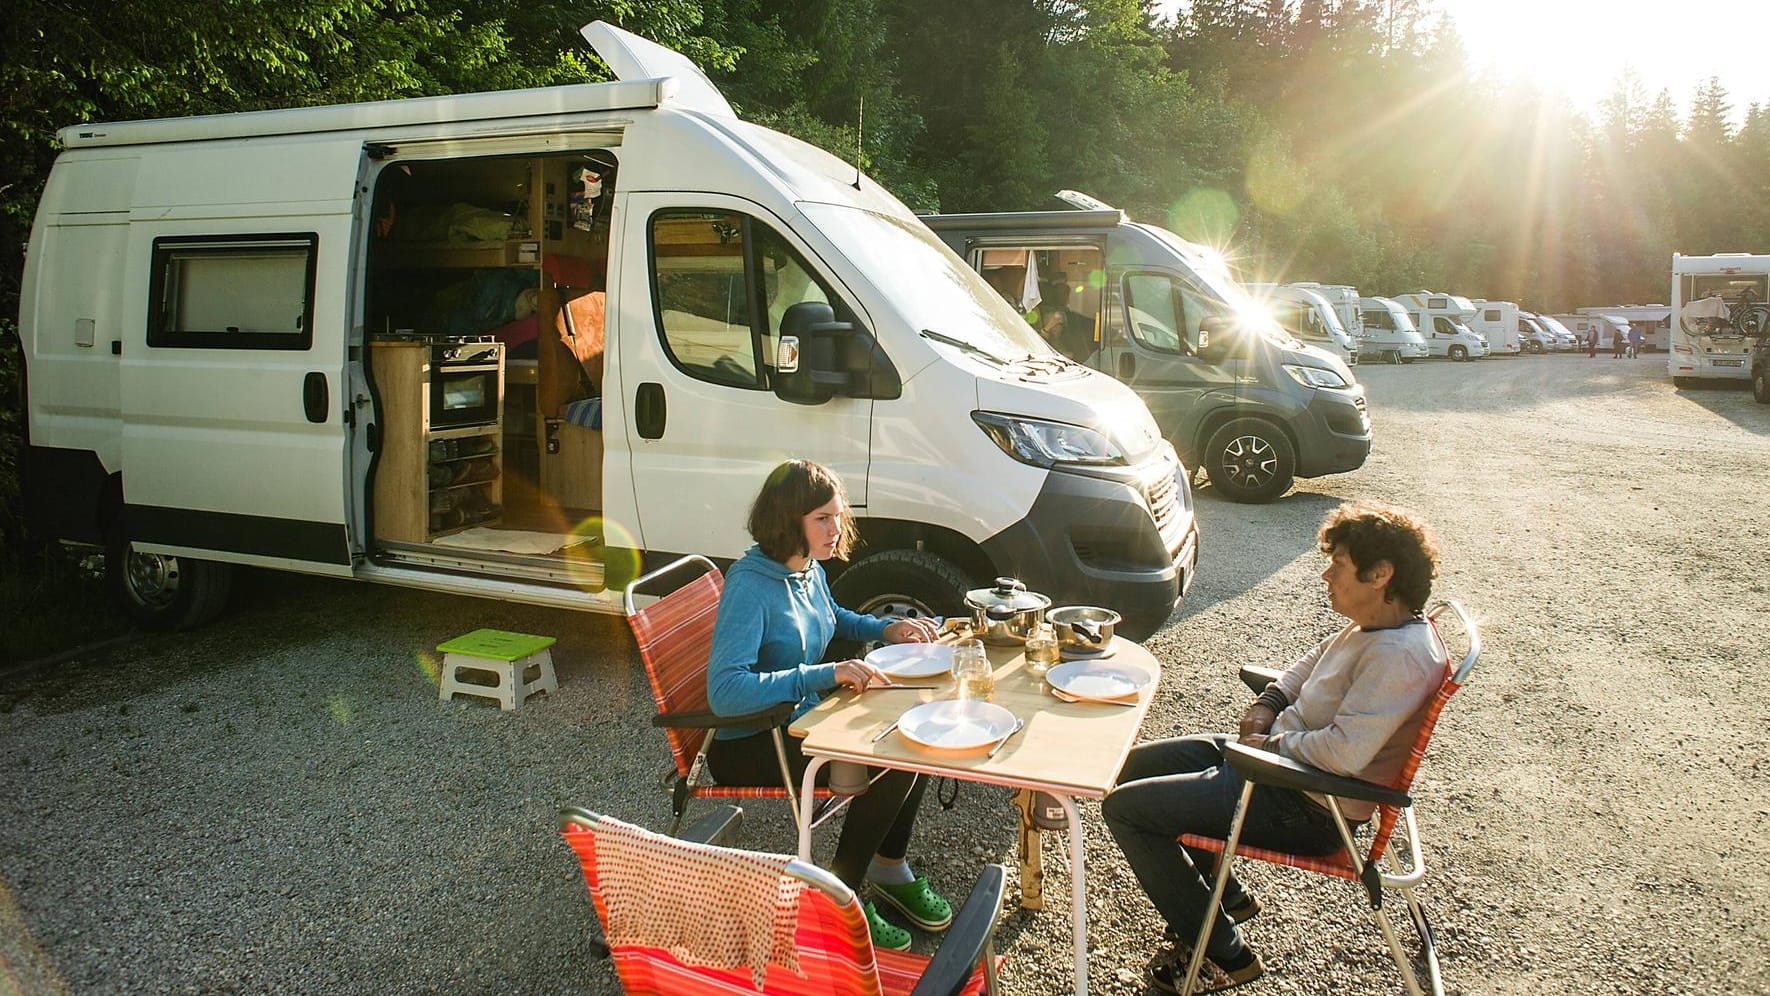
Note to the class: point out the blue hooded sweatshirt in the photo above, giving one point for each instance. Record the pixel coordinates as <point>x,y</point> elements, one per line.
<point>770,635</point>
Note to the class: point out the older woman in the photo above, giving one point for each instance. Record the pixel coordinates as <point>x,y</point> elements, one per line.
<point>1351,705</point>
<point>776,619</point>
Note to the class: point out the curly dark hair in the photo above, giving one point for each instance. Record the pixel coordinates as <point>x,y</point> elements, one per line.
<point>794,490</point>
<point>1372,534</point>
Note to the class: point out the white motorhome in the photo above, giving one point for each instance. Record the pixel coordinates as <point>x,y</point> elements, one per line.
<point>1307,315</point>
<point>1344,299</point>
<point>1565,339</point>
<point>1442,320</point>
<point>525,345</point>
<point>1653,321</point>
<point>1497,322</point>
<point>1534,336</point>
<point>1389,332</point>
<point>1719,311</point>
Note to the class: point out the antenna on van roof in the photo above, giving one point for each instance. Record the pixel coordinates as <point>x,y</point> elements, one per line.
<point>860,118</point>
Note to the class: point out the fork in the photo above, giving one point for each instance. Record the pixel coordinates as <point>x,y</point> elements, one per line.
<point>1019,724</point>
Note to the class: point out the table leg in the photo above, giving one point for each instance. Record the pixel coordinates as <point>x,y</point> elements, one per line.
<point>808,804</point>
<point>1032,860</point>
<point>1078,887</point>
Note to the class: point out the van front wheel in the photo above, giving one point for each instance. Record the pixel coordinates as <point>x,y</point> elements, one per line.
<point>165,593</point>
<point>903,583</point>
<point>1251,461</point>
<point>1761,387</point>
<point>1458,353</point>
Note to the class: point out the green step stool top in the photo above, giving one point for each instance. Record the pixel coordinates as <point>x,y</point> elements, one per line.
<point>497,644</point>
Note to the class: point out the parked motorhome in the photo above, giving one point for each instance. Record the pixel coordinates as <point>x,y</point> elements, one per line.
<point>1389,333</point>
<point>1228,387</point>
<point>1565,339</point>
<point>1442,320</point>
<point>1344,300</point>
<point>1497,322</point>
<point>1720,306</point>
<point>1308,315</point>
<point>524,345</point>
<point>1533,337</point>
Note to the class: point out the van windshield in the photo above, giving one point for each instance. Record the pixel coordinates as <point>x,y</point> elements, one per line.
<point>932,288</point>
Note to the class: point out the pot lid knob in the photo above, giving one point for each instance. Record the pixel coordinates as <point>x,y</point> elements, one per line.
<point>1006,587</point>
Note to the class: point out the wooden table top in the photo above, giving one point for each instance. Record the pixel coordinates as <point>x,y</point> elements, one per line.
<point>1071,748</point>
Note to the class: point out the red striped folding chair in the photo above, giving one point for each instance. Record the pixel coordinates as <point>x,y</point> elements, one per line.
<point>688,916</point>
<point>1378,867</point>
<point>675,636</point>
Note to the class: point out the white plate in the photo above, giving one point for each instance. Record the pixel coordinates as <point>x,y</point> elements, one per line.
<point>1094,680</point>
<point>913,660</point>
<point>956,724</point>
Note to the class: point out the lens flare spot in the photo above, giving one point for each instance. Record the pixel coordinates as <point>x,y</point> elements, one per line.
<point>429,665</point>
<point>1276,183</point>
<point>1204,214</point>
<point>340,709</point>
<point>1096,279</point>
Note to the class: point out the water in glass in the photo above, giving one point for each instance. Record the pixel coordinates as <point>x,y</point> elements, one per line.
<point>1041,651</point>
<point>972,672</point>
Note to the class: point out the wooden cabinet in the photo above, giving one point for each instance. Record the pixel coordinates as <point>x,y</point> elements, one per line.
<point>430,482</point>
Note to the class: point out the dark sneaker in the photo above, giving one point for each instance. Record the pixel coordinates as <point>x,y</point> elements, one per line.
<point>924,906</point>
<point>1168,973</point>
<point>885,934</point>
<point>1244,910</point>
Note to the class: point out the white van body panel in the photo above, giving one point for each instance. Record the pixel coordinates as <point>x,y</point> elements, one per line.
<point>1497,322</point>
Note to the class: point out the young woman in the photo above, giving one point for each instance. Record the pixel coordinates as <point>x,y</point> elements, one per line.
<point>776,619</point>
<point>1351,706</point>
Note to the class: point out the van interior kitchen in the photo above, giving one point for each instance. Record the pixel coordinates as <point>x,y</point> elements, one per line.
<point>485,293</point>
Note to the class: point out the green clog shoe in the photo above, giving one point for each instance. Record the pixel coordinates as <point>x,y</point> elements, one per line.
<point>924,906</point>
<point>885,934</point>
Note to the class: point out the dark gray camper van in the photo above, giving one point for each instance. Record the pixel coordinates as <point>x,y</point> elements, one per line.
<point>1232,391</point>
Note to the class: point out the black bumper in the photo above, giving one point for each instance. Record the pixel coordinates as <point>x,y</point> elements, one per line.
<point>1092,541</point>
<point>1333,433</point>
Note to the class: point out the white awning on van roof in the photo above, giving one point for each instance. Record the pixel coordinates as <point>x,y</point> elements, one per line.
<point>631,57</point>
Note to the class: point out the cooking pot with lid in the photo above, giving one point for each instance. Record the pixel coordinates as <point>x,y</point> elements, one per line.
<point>1004,616</point>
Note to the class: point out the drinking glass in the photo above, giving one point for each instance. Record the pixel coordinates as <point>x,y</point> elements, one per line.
<point>972,672</point>
<point>1041,650</point>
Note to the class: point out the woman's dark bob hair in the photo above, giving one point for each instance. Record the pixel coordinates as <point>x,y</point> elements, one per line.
<point>794,490</point>
<point>1371,534</point>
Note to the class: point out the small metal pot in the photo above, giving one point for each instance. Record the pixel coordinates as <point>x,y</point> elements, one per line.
<point>1004,616</point>
<point>1083,627</point>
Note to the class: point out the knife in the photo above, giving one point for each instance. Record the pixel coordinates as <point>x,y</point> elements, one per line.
<point>882,734</point>
<point>1019,724</point>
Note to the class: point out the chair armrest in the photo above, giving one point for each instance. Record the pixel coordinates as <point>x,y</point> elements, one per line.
<point>967,939</point>
<point>1263,767</point>
<point>1257,678</point>
<point>706,719</point>
<point>721,827</point>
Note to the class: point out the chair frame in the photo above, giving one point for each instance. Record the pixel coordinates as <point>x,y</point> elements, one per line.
<point>1378,867</point>
<point>969,940</point>
<point>679,778</point>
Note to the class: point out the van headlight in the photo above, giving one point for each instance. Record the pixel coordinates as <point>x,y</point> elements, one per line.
<point>1314,376</point>
<point>1044,444</point>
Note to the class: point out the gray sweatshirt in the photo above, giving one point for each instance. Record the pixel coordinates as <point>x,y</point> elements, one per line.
<point>1357,700</point>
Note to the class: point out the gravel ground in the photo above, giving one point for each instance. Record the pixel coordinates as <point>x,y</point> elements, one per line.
<point>278,803</point>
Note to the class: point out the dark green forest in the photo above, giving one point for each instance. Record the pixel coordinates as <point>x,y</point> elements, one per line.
<point>1346,142</point>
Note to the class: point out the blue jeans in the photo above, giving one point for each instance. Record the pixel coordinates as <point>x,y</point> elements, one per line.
<point>1182,785</point>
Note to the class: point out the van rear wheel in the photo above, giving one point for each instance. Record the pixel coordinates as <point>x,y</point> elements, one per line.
<point>162,592</point>
<point>903,584</point>
<point>1251,461</point>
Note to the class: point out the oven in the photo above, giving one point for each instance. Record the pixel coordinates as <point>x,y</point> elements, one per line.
<point>464,383</point>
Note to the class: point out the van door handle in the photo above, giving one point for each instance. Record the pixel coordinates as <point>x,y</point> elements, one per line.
<point>1127,366</point>
<point>315,397</point>
<point>649,410</point>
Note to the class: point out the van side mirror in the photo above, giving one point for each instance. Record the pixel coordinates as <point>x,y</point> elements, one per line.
<point>1218,339</point>
<point>819,357</point>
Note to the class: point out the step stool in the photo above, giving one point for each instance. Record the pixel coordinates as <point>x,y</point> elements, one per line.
<point>509,656</point>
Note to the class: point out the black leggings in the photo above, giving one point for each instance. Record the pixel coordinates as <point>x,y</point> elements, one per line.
<point>879,821</point>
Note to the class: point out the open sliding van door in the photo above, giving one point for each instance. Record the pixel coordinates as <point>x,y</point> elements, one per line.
<point>233,378</point>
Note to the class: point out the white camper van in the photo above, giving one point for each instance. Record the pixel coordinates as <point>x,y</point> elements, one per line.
<point>1389,332</point>
<point>1653,321</point>
<point>1497,322</point>
<point>1720,308</point>
<point>1565,339</point>
<point>1344,300</point>
<point>1443,322</point>
<point>525,345</point>
<point>1308,316</point>
<point>1534,336</point>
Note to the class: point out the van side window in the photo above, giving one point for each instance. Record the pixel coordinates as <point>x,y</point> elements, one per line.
<point>1491,315</point>
<point>721,283</point>
<point>233,292</point>
<point>1443,324</point>
<point>1379,320</point>
<point>1154,313</point>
